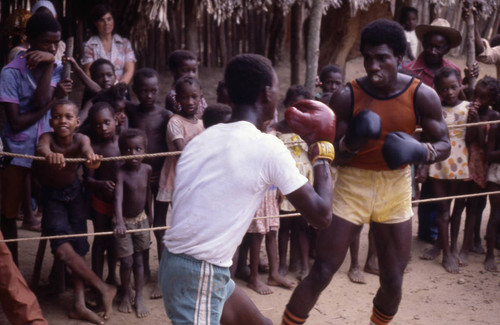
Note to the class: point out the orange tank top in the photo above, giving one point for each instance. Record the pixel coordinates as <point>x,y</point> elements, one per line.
<point>397,114</point>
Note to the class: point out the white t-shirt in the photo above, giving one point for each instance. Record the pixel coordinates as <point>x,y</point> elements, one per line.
<point>222,176</point>
<point>411,37</point>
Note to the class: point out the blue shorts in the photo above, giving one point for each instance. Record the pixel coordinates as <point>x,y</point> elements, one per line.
<point>194,291</point>
<point>64,213</point>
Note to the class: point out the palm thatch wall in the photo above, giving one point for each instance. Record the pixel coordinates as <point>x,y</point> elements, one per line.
<point>219,29</point>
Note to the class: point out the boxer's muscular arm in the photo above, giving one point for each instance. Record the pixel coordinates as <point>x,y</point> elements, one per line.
<point>315,203</point>
<point>433,124</point>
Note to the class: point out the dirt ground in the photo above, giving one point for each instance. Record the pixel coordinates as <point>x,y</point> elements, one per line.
<point>430,294</point>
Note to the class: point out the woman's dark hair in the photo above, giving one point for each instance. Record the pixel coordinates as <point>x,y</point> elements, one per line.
<point>97,12</point>
<point>493,86</point>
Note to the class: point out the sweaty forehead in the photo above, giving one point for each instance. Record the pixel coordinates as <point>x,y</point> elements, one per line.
<point>188,64</point>
<point>435,39</point>
<point>50,36</point>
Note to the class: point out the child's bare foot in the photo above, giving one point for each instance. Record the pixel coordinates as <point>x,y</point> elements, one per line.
<point>83,313</point>
<point>280,281</point>
<point>431,253</point>
<point>140,310</point>
<point>259,287</point>
<point>355,275</point>
<point>156,294</point>
<point>463,258</point>
<point>108,295</point>
<point>490,265</point>
<point>371,266</point>
<point>450,264</point>
<point>125,305</point>
<point>478,248</point>
<point>302,274</point>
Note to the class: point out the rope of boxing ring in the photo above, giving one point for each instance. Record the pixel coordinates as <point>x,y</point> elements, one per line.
<point>175,153</point>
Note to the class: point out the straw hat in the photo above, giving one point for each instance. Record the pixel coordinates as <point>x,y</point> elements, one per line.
<point>440,26</point>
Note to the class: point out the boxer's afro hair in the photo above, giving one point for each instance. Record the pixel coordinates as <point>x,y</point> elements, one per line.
<point>383,31</point>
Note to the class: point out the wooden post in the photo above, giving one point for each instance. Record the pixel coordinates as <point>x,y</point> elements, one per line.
<point>66,73</point>
<point>313,45</point>
<point>296,42</point>
<point>469,44</point>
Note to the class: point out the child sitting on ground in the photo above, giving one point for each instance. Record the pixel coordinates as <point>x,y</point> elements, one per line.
<point>152,119</point>
<point>448,177</point>
<point>64,204</point>
<point>101,185</point>
<point>181,129</point>
<point>132,211</point>
<point>331,79</point>
<point>182,63</point>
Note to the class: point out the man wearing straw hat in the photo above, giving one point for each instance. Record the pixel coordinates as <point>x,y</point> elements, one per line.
<point>437,39</point>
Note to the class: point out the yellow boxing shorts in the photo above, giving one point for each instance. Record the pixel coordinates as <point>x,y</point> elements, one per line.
<point>361,196</point>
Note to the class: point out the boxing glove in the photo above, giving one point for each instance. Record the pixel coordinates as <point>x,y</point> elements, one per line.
<point>315,123</point>
<point>400,149</point>
<point>364,126</point>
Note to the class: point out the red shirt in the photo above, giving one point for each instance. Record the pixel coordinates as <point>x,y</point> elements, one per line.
<point>420,70</point>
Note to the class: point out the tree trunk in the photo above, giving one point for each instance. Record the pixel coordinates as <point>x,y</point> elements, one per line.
<point>296,42</point>
<point>470,49</point>
<point>313,45</point>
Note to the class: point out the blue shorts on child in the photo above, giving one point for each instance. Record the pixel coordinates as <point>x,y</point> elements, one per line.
<point>194,291</point>
<point>64,213</point>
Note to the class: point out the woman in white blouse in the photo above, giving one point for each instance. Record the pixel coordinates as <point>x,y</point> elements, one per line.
<point>104,44</point>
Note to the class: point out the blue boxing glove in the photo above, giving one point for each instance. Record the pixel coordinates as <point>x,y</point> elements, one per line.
<point>400,149</point>
<point>364,126</point>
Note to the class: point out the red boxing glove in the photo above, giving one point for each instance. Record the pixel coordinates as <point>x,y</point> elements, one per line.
<point>312,120</point>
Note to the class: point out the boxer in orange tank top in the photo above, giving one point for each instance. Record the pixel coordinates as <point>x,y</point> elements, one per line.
<point>376,117</point>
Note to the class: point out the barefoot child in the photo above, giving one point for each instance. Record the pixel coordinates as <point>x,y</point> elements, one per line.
<point>485,95</point>
<point>132,211</point>
<point>101,184</point>
<point>152,119</point>
<point>448,177</point>
<point>182,63</point>
<point>181,128</point>
<point>64,205</point>
<point>294,230</point>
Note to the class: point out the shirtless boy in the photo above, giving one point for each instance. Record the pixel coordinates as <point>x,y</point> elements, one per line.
<point>376,117</point>
<point>101,185</point>
<point>152,119</point>
<point>64,204</point>
<point>132,211</point>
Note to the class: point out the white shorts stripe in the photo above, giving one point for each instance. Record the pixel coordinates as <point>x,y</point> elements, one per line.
<point>203,308</point>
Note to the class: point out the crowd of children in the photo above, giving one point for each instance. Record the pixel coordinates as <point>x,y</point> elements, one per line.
<point>136,193</point>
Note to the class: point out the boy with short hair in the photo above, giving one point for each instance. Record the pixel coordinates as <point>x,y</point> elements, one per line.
<point>27,86</point>
<point>152,119</point>
<point>132,211</point>
<point>64,204</point>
